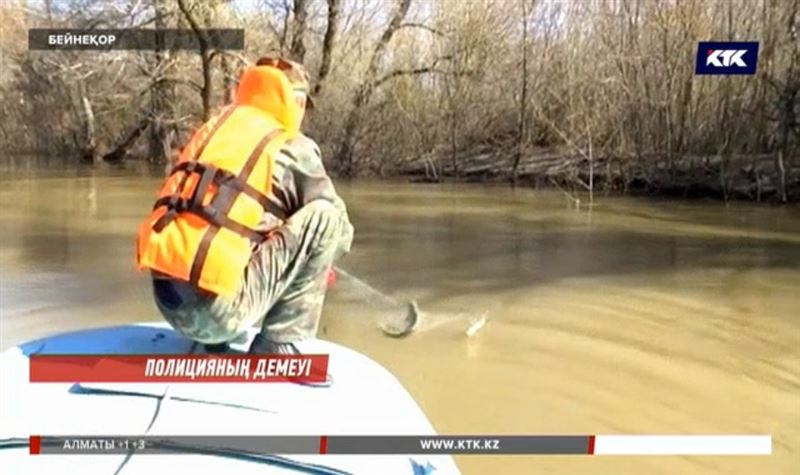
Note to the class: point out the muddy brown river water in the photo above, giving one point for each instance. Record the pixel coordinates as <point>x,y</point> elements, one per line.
<point>635,317</point>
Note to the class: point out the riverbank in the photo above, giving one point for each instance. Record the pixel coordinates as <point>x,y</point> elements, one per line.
<point>732,177</point>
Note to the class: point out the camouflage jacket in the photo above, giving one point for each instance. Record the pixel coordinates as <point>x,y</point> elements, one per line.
<point>298,178</point>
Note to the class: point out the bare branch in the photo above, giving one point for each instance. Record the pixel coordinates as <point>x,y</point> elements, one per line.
<point>237,56</point>
<point>386,37</point>
<point>202,36</point>
<point>407,72</point>
<point>423,27</point>
<point>414,71</point>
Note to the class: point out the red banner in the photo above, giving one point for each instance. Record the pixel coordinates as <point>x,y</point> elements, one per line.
<point>178,368</point>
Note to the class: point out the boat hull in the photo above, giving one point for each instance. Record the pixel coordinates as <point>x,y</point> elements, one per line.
<point>363,399</point>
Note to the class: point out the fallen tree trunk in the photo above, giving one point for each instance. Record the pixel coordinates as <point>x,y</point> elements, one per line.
<point>745,176</point>
<point>119,152</point>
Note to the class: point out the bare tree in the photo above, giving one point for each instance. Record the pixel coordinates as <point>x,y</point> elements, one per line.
<point>204,42</point>
<point>523,94</point>
<point>162,94</point>
<point>298,48</point>
<point>344,154</point>
<point>327,44</point>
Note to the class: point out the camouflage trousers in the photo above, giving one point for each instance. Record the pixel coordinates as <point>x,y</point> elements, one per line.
<point>284,284</point>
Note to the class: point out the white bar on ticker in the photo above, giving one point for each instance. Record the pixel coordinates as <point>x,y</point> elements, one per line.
<point>683,445</point>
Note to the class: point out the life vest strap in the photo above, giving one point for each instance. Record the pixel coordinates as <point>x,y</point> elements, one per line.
<point>210,214</point>
<point>224,201</point>
<point>224,179</point>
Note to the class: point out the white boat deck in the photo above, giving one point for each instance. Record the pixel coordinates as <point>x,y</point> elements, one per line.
<point>364,399</point>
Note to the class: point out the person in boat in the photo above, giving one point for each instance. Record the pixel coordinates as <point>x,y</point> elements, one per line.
<point>248,223</point>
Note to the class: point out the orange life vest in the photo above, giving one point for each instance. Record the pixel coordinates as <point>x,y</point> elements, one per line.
<point>202,227</point>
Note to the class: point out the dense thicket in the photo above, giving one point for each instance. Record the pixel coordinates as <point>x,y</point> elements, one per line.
<point>582,94</point>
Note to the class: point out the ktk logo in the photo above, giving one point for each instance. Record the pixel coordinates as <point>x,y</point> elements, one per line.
<point>726,58</point>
